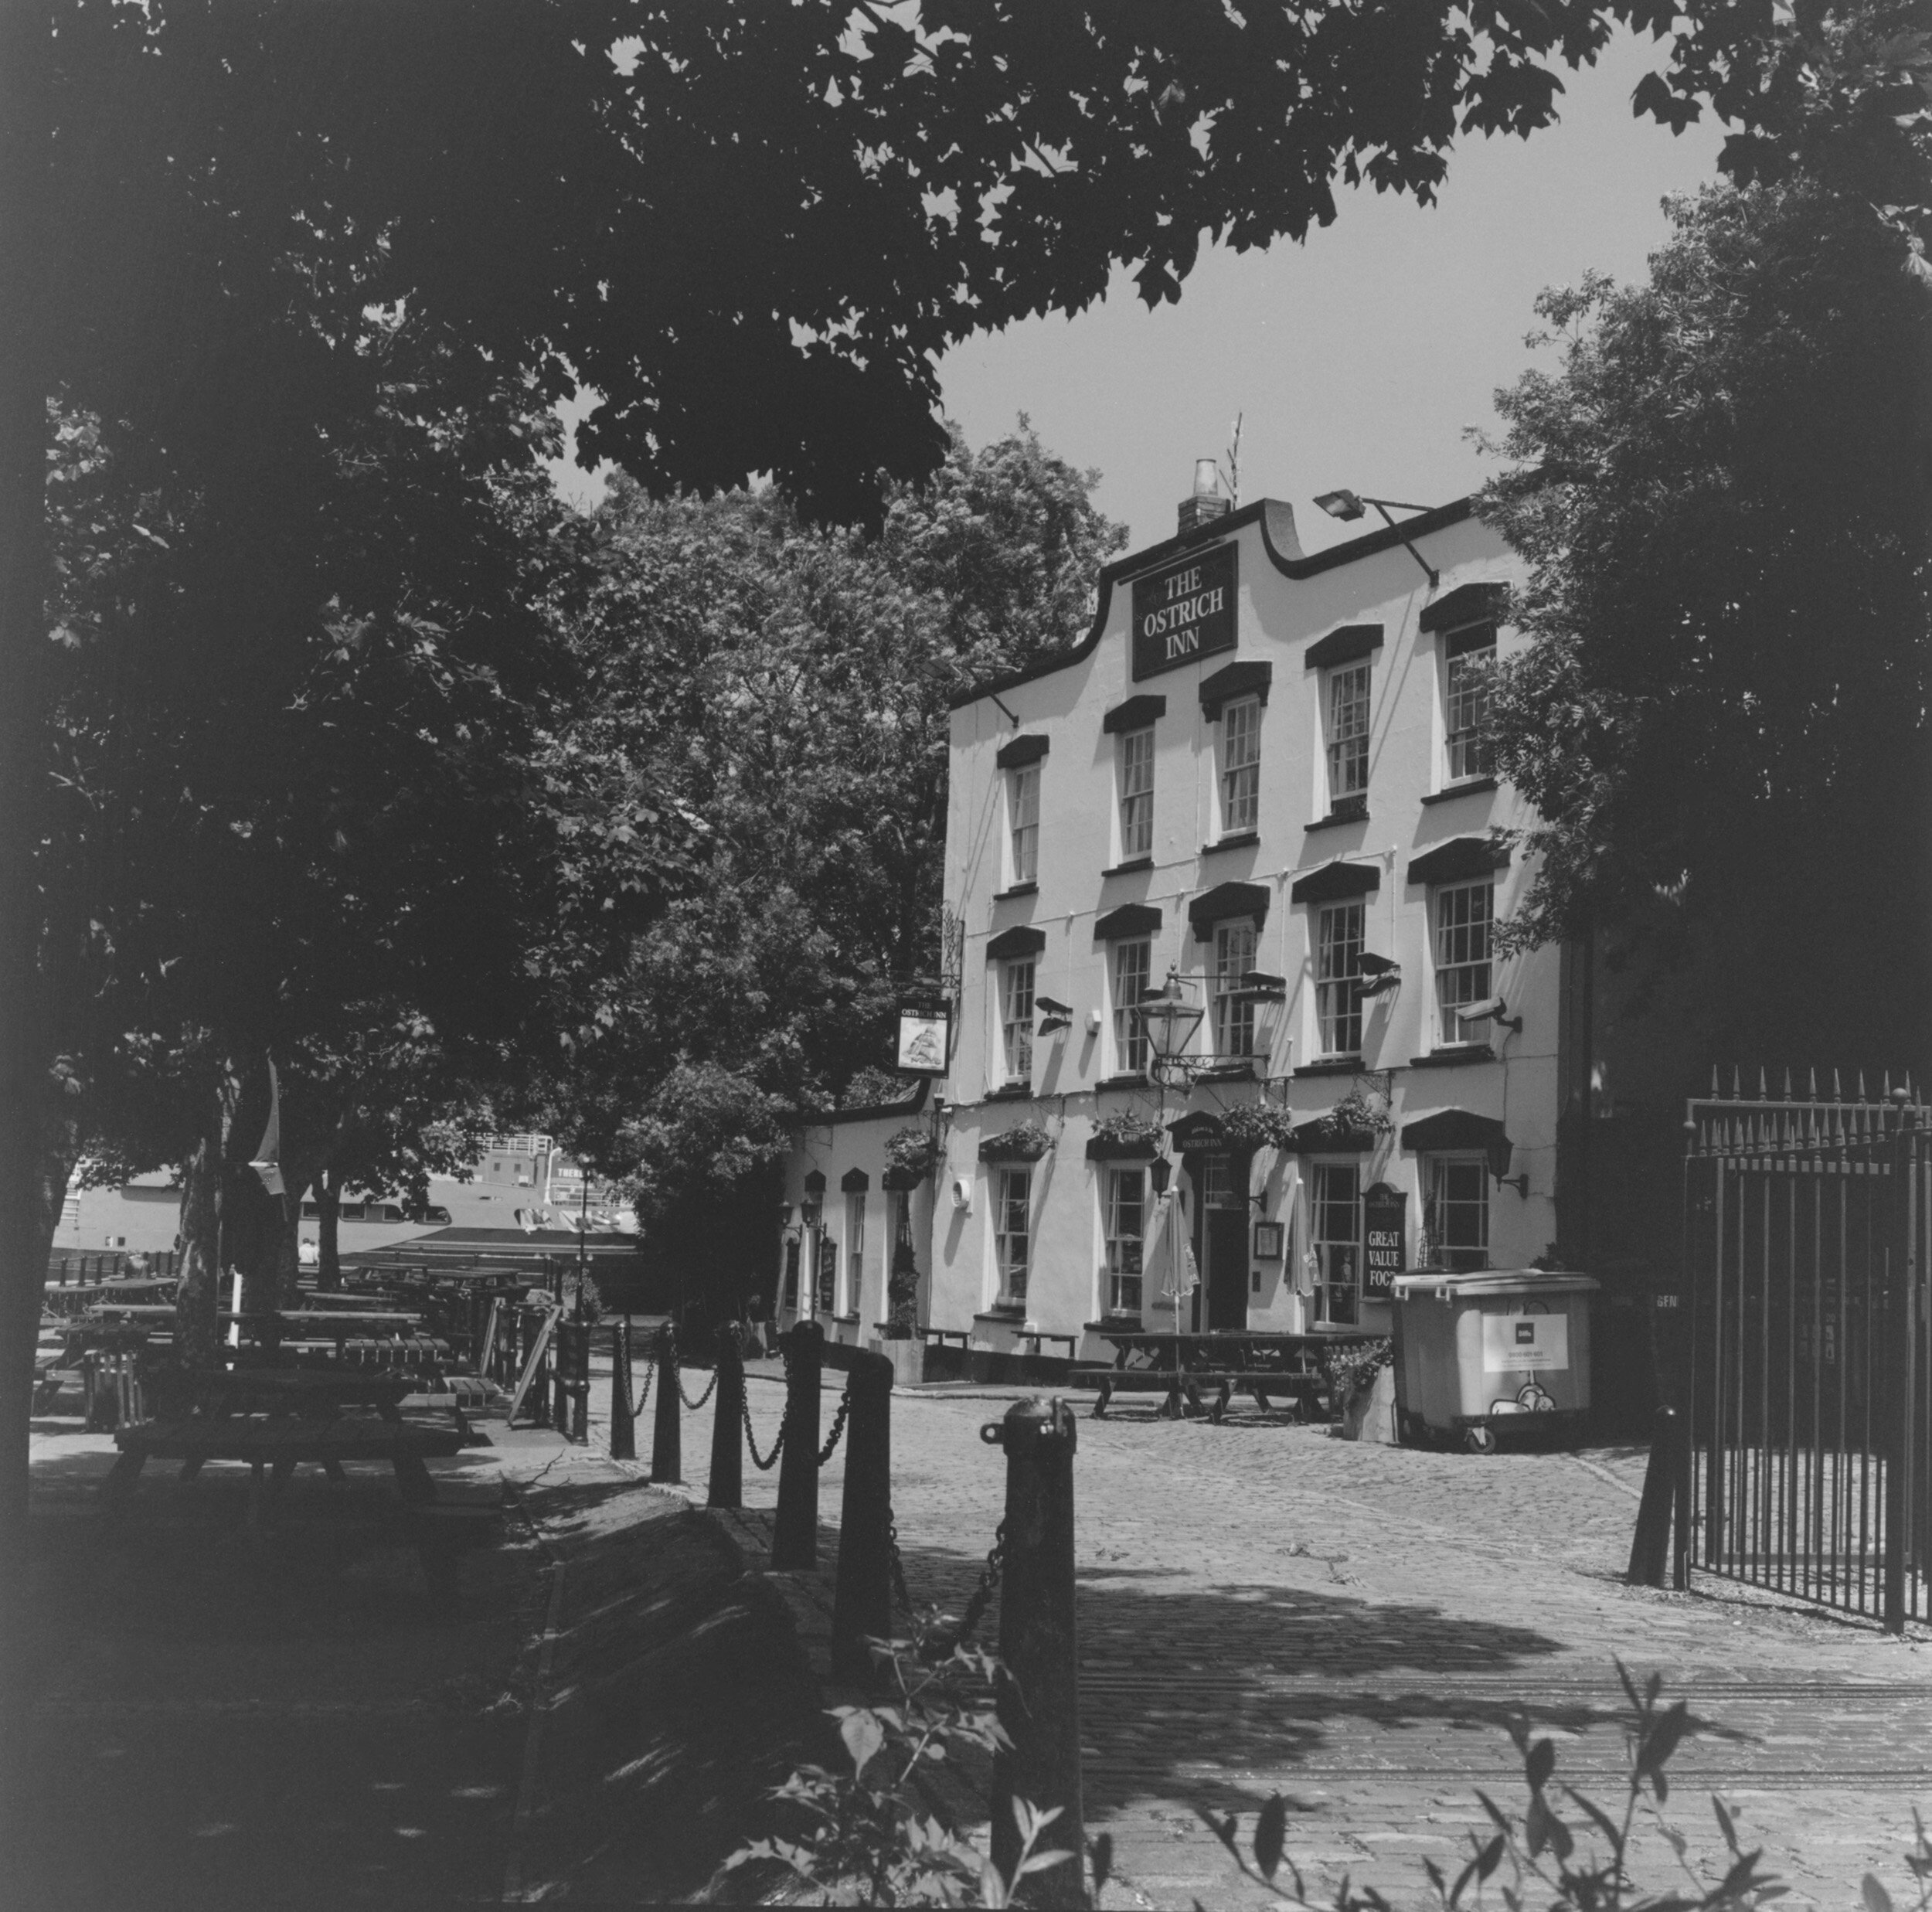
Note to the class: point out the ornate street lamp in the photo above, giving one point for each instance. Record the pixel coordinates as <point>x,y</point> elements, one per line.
<point>1169,1020</point>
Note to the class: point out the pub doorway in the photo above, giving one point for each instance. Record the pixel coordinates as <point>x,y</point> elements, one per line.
<point>1220,1242</point>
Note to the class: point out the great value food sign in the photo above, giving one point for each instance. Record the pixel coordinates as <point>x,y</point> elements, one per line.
<point>1184,612</point>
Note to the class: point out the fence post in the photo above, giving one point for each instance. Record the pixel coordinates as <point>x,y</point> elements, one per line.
<point>573,1385</point>
<point>1901,1496</point>
<point>1039,1693</point>
<point>667,1425</point>
<point>1650,1545</point>
<point>862,1601</point>
<point>795,1537</point>
<point>623,1426</point>
<point>726,1487</point>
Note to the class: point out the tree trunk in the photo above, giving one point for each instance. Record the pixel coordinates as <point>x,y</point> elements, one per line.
<point>296,1177</point>
<point>328,1202</point>
<point>223,1206</point>
<point>27,1047</point>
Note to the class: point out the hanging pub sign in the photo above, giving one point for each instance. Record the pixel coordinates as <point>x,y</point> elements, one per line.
<point>1385,1222</point>
<point>1184,612</point>
<point>924,1041</point>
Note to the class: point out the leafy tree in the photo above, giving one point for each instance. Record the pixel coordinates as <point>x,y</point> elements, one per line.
<point>792,688</point>
<point>1722,720</point>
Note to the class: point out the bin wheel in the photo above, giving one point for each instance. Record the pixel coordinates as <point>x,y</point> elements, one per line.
<point>1480,1440</point>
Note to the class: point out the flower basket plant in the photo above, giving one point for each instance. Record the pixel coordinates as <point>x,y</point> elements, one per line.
<point>902,1294</point>
<point>1352,1370</point>
<point>912,1153</point>
<point>1123,1137</point>
<point>1027,1141</point>
<point>1252,1125</point>
<point>1360,1115</point>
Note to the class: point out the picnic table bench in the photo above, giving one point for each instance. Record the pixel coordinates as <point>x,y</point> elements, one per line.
<point>1267,1365</point>
<point>309,1393</point>
<point>274,1448</point>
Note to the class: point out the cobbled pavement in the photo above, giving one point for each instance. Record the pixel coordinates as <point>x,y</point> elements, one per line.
<point>1266,1609</point>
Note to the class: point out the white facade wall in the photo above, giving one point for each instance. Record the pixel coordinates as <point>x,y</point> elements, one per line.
<point>1285,603</point>
<point>841,1149</point>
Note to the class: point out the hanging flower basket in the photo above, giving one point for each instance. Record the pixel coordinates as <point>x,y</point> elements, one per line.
<point>911,1156</point>
<point>1358,1118</point>
<point>1252,1125</point>
<point>1027,1142</point>
<point>1124,1138</point>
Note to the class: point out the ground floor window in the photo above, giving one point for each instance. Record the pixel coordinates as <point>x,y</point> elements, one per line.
<point>855,1253</point>
<point>1458,1211</point>
<point>1126,1209</point>
<point>1012,1238</point>
<point>1337,1242</point>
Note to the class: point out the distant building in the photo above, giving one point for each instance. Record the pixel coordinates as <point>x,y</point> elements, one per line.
<point>1265,772</point>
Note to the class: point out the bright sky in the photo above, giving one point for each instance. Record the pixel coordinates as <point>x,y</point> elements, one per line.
<point>1355,360</point>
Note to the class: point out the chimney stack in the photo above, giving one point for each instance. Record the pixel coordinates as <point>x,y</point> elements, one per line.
<point>1207,501</point>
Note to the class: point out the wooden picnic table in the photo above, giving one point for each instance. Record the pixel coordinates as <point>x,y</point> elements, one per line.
<point>274,1448</point>
<point>308,1394</point>
<point>1260,1362</point>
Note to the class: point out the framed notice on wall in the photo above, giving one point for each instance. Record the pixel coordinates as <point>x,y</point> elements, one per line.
<point>925,1041</point>
<point>1267,1241</point>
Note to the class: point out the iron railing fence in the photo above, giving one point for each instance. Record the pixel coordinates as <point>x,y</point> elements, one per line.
<point>1811,1375</point>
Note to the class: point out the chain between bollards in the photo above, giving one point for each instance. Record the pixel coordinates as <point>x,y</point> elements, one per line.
<point>838,1428</point>
<point>694,1405</point>
<point>778,1447</point>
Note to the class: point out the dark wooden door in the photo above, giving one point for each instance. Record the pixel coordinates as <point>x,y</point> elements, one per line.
<point>1227,1275</point>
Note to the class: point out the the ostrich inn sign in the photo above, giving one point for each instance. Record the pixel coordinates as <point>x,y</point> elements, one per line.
<point>1184,612</point>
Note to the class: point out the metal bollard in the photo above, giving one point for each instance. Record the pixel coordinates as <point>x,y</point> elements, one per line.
<point>572,1389</point>
<point>727,1455</point>
<point>1650,1546</point>
<point>623,1426</point>
<point>795,1537</point>
<point>1039,1695</point>
<point>667,1426</point>
<point>861,1602</point>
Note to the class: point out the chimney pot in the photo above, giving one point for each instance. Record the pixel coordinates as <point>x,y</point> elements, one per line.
<point>1207,501</point>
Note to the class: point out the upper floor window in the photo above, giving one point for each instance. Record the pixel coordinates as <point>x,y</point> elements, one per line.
<point>1337,978</point>
<point>1136,794</point>
<point>1240,765</point>
<point>1470,657</point>
<point>1133,969</point>
<point>1125,1204</point>
<point>1233,1013</point>
<point>1464,913</point>
<point>1348,732</point>
<point>1458,1197</point>
<point>1023,809</point>
<point>1016,1019</point>
<point>1012,1232</point>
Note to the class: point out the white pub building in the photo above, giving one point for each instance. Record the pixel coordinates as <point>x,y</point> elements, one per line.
<point>1233,1042</point>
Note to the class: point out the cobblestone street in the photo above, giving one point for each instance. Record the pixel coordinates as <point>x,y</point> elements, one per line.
<point>1263,1607</point>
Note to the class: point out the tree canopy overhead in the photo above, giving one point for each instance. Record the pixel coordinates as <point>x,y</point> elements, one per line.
<point>1723,492</point>
<point>752,228</point>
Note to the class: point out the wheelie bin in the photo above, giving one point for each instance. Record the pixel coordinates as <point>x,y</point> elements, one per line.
<point>1501,1353</point>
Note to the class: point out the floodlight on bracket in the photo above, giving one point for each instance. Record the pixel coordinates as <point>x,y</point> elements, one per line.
<point>1348,506</point>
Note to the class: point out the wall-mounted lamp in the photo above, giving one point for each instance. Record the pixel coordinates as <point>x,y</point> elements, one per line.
<point>813,1206</point>
<point>1499,1152</point>
<point>1169,1020</point>
<point>1053,1016</point>
<point>785,1214</point>
<point>1491,1010</point>
<point>1258,986</point>
<point>1160,1171</point>
<point>1348,506</point>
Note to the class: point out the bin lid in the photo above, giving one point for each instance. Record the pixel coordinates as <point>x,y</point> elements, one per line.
<point>1445,1284</point>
